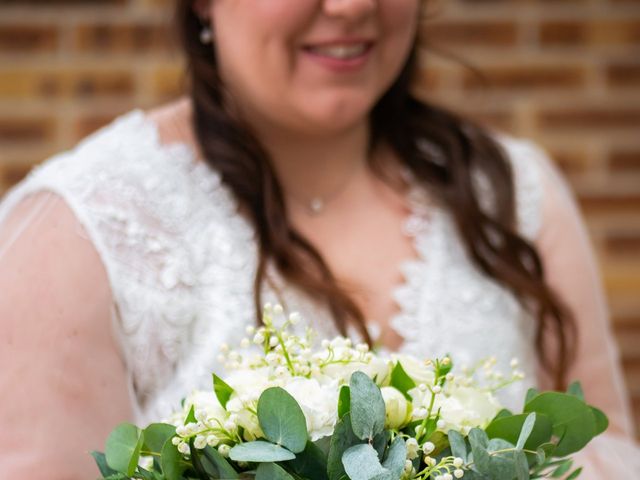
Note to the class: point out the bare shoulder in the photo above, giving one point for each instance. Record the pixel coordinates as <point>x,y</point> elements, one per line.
<point>173,121</point>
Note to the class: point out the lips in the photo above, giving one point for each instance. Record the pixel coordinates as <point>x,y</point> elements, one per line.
<point>340,51</point>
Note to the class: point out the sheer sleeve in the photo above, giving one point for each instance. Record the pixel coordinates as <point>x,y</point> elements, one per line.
<point>63,381</point>
<point>572,271</point>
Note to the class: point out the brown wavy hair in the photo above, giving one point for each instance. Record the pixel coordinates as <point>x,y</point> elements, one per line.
<point>402,121</point>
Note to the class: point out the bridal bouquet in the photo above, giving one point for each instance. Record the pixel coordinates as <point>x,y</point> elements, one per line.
<point>290,410</point>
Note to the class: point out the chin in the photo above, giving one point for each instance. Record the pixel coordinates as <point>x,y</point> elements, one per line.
<point>338,117</point>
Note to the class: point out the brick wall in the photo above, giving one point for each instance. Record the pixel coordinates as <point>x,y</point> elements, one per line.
<point>563,72</point>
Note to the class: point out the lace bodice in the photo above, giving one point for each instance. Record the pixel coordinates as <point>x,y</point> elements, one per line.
<point>181,262</point>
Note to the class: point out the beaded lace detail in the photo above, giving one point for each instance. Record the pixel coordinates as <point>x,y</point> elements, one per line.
<point>181,263</point>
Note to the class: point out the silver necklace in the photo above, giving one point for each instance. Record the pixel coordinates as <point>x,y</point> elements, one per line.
<point>317,204</point>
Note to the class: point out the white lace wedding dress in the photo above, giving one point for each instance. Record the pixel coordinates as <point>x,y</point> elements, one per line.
<point>180,263</point>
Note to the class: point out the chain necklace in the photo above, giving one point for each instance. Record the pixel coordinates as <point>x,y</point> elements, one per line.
<point>316,205</point>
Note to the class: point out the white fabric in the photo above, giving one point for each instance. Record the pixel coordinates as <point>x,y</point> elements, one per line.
<point>180,262</point>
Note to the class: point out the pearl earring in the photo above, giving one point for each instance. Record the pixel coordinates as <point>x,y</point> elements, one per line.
<point>206,36</point>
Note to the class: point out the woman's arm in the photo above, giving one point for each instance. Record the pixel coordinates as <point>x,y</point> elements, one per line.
<point>63,381</point>
<point>572,271</point>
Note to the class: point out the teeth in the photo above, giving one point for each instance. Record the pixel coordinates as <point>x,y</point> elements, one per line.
<point>341,52</point>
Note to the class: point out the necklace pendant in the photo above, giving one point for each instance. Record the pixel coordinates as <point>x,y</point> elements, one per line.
<point>316,206</point>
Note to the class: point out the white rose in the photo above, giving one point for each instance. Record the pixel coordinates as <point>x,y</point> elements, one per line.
<point>397,409</point>
<point>245,418</point>
<point>249,383</point>
<point>416,369</point>
<point>466,407</point>
<point>377,368</point>
<point>319,403</point>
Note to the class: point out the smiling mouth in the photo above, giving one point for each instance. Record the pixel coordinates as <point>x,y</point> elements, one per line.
<point>340,51</point>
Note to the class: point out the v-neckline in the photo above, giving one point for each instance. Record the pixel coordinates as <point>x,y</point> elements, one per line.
<point>418,225</point>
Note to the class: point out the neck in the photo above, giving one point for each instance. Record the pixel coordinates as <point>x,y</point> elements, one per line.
<point>318,167</point>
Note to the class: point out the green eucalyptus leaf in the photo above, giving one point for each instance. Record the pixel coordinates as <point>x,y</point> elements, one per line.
<point>361,462</point>
<point>272,471</point>
<point>503,413</point>
<point>479,443</point>
<point>260,451</point>
<point>525,432</point>
<point>123,448</point>
<point>401,380</point>
<point>282,419</point>
<point>225,470</point>
<point>222,390</point>
<point>522,466</point>
<point>101,462</point>
<point>496,444</point>
<point>155,436</point>
<point>367,407</point>
<point>310,464</point>
<point>575,389</point>
<point>510,428</point>
<point>575,474</point>
<point>531,393</point>
<point>380,442</point>
<point>502,466</point>
<point>602,422</point>
<point>457,443</point>
<point>171,461</point>
<point>342,438</point>
<point>573,421</point>
<point>396,457</point>
<point>344,401</point>
<point>563,468</point>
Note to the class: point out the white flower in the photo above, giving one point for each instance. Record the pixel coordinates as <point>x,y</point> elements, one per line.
<point>412,448</point>
<point>319,403</point>
<point>376,368</point>
<point>397,408</point>
<point>416,369</point>
<point>466,407</point>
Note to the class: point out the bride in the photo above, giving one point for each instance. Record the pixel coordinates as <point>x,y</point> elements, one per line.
<point>300,169</point>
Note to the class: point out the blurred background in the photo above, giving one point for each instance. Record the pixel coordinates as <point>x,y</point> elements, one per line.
<point>565,73</point>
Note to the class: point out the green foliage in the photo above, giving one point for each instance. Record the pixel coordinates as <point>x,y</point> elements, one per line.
<point>222,390</point>
<point>401,380</point>
<point>123,448</point>
<point>101,462</point>
<point>282,419</point>
<point>367,407</point>
<point>155,436</point>
<point>260,451</point>
<point>361,462</point>
<point>344,401</point>
<point>310,464</point>
<point>271,471</point>
<point>216,462</point>
<point>457,444</point>
<point>509,429</point>
<point>171,461</point>
<point>575,389</point>
<point>342,439</point>
<point>572,420</point>
<point>396,456</point>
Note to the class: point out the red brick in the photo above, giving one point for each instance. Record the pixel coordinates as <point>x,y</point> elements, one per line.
<point>15,130</point>
<point>527,77</point>
<point>28,38</point>
<point>124,38</point>
<point>470,34</point>
<point>590,117</point>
